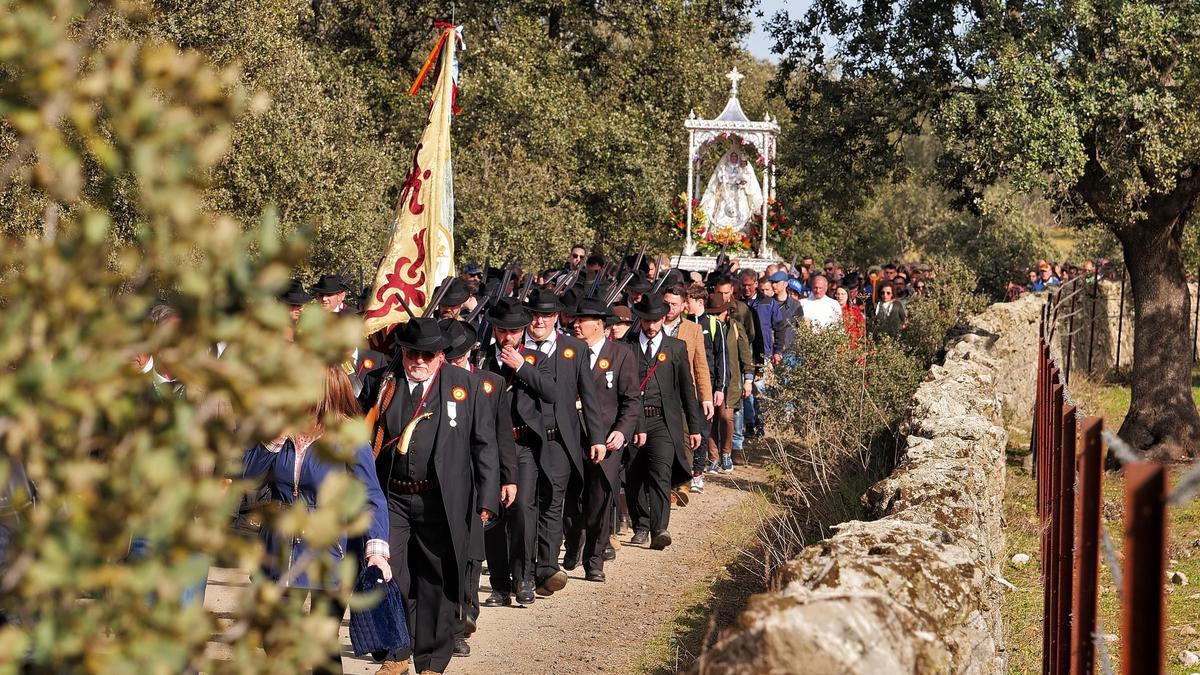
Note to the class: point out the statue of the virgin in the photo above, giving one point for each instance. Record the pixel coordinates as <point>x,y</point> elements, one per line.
<point>733,196</point>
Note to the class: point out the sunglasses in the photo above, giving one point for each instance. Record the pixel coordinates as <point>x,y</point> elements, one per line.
<point>413,355</point>
<point>575,256</point>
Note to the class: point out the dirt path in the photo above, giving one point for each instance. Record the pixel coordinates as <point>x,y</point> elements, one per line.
<point>622,625</point>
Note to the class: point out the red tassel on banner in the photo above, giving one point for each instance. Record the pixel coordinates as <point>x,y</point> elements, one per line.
<point>447,29</point>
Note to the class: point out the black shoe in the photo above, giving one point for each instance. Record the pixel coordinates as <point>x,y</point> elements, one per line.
<point>570,559</point>
<point>610,553</point>
<point>661,540</point>
<point>379,656</point>
<point>498,599</point>
<point>470,625</point>
<point>553,583</point>
<point>461,648</point>
<point>595,575</point>
<point>525,593</point>
<point>640,537</point>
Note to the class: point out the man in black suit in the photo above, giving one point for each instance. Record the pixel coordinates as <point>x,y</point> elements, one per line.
<point>529,390</point>
<point>463,340</point>
<point>614,369</point>
<point>445,476</point>
<point>563,453</point>
<point>659,457</point>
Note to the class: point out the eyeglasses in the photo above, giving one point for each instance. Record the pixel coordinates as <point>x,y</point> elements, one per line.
<point>545,315</point>
<point>575,256</point>
<point>414,355</point>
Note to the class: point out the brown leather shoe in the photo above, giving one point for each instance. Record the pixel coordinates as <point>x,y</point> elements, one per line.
<point>613,541</point>
<point>680,496</point>
<point>393,668</point>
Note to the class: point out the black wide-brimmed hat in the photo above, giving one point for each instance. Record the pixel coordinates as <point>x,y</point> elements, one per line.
<point>330,284</point>
<point>591,308</point>
<point>542,301</point>
<point>422,334</point>
<point>570,298</point>
<point>638,284</point>
<point>295,294</point>
<point>509,314</point>
<point>456,293</point>
<point>461,335</point>
<point>650,307</point>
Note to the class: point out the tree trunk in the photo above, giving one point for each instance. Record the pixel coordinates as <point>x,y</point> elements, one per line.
<point>1162,420</point>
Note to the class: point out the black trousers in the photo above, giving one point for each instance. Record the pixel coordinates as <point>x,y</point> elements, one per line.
<point>589,519</point>
<point>648,478</point>
<point>554,472</point>
<point>428,577</point>
<point>511,544</point>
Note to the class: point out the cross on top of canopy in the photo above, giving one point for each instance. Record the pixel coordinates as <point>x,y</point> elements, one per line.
<point>733,122</point>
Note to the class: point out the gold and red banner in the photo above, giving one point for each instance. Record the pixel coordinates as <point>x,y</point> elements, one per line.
<point>420,251</point>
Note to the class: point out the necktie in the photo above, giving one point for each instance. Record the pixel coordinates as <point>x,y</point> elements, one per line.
<point>414,399</point>
<point>649,351</point>
<point>592,360</point>
<point>539,344</point>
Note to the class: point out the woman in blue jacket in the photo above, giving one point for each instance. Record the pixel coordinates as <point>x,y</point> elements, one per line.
<point>294,471</point>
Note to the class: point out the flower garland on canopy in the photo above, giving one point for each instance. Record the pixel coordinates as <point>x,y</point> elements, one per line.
<point>779,227</point>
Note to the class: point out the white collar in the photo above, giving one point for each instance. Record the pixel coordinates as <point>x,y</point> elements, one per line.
<point>656,341</point>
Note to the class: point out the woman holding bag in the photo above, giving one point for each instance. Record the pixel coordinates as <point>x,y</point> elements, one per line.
<point>294,472</point>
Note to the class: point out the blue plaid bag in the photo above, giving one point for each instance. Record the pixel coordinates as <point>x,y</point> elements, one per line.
<point>383,626</point>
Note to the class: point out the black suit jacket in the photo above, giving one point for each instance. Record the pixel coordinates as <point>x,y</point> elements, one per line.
<point>465,453</point>
<point>498,398</point>
<point>616,380</point>
<point>574,383</point>
<point>530,388</point>
<point>674,378</point>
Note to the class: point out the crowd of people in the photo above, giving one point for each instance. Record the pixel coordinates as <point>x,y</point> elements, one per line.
<point>530,416</point>
<point>1045,275</point>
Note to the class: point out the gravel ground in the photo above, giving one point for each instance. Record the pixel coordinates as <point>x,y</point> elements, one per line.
<point>589,627</point>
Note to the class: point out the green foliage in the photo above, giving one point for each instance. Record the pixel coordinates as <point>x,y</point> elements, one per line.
<point>118,139</point>
<point>836,401</point>
<point>948,299</point>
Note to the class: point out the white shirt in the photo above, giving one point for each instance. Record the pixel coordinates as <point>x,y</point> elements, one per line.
<point>822,313</point>
<point>594,352</point>
<point>656,343</point>
<point>548,344</point>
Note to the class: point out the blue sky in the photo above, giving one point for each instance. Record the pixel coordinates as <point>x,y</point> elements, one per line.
<point>757,42</point>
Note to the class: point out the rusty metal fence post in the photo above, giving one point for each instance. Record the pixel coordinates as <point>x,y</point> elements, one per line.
<point>1142,597</point>
<point>1064,536</point>
<point>1087,550</point>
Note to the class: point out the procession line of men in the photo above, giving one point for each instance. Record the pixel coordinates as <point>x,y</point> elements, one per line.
<point>504,438</point>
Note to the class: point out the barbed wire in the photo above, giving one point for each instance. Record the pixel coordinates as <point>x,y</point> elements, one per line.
<point>1106,665</point>
<point>1110,559</point>
<point>1125,452</point>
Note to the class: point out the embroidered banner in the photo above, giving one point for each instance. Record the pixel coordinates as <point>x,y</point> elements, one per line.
<point>420,250</point>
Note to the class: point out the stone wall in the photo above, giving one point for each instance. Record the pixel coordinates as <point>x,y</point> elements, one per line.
<point>913,589</point>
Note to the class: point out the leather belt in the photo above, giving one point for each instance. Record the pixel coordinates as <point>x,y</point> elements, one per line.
<point>652,411</point>
<point>411,487</point>
<point>524,433</point>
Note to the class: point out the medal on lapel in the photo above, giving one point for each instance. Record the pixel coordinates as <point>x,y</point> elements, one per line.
<point>608,376</point>
<point>457,394</point>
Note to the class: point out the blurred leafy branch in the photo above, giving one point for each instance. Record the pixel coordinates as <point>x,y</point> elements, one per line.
<point>125,133</point>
